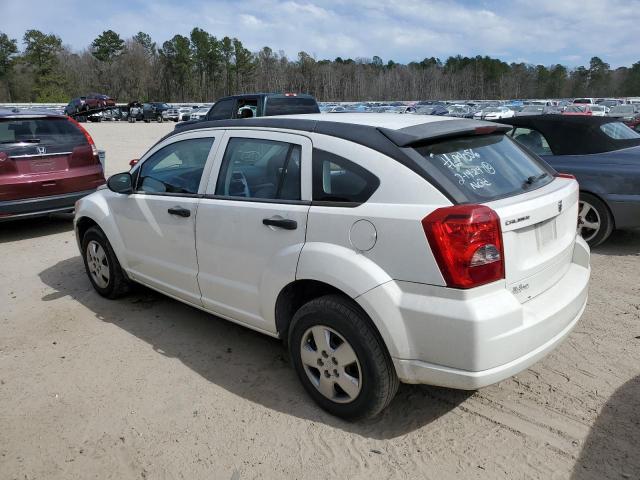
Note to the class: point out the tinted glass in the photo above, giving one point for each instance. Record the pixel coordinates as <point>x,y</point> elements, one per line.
<point>221,110</point>
<point>24,136</point>
<point>176,168</point>
<point>533,140</point>
<point>256,168</point>
<point>336,179</point>
<point>290,105</point>
<point>485,167</point>
<point>619,131</point>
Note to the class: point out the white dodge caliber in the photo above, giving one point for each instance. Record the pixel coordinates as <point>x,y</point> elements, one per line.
<point>379,248</point>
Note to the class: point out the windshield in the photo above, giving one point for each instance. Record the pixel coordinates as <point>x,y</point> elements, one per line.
<point>622,109</point>
<point>485,167</point>
<point>618,131</point>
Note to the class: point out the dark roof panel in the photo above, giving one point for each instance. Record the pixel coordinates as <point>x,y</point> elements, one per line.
<point>573,134</point>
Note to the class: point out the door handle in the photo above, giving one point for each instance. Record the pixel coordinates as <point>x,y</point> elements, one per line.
<point>280,223</point>
<point>181,212</point>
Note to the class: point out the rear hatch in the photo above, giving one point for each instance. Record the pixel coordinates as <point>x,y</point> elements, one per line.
<point>537,210</point>
<point>538,234</point>
<point>42,156</point>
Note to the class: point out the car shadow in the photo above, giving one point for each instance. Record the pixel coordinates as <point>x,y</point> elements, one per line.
<point>15,230</point>
<point>244,362</point>
<point>621,243</point>
<point>613,446</point>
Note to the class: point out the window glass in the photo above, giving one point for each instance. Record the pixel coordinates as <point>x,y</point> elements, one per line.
<point>485,167</point>
<point>290,105</point>
<point>618,131</point>
<point>176,168</point>
<point>221,110</point>
<point>533,140</point>
<point>336,179</point>
<point>257,168</point>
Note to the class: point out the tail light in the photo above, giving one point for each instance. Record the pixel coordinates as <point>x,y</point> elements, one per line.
<point>466,241</point>
<point>6,165</point>
<point>94,149</point>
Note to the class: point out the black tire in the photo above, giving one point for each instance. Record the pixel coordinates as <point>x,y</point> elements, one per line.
<point>159,118</point>
<point>118,284</point>
<point>377,375</point>
<point>601,213</point>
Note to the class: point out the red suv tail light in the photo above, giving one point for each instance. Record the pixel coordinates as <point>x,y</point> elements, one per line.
<point>6,164</point>
<point>466,241</point>
<point>94,149</point>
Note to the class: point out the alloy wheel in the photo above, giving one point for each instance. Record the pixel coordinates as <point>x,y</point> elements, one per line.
<point>589,221</point>
<point>331,364</point>
<point>98,264</point>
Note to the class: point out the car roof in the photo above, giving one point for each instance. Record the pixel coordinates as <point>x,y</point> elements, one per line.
<point>394,122</point>
<point>373,130</point>
<point>28,113</point>
<point>287,95</point>
<point>573,135</point>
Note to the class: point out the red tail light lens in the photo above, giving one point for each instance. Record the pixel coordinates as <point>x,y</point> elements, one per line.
<point>94,149</point>
<point>6,165</point>
<point>466,241</point>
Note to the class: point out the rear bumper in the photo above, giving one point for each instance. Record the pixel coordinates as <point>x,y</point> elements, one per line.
<point>625,210</point>
<point>470,339</point>
<point>32,207</point>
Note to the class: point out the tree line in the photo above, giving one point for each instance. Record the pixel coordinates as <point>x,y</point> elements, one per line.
<point>202,68</point>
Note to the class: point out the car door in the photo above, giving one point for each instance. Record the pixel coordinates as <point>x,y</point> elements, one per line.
<point>157,221</point>
<point>251,224</point>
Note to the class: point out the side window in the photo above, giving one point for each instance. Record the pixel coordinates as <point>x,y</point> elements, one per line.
<point>176,168</point>
<point>257,168</point>
<point>336,179</point>
<point>221,110</point>
<point>533,140</point>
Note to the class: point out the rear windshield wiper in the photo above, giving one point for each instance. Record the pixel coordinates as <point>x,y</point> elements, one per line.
<point>533,179</point>
<point>28,140</point>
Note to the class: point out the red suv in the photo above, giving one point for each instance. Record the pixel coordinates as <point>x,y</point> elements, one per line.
<point>47,162</point>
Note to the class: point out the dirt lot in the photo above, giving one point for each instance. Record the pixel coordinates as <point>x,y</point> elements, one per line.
<point>146,387</point>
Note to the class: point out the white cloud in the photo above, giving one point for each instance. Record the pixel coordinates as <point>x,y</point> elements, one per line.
<point>544,31</point>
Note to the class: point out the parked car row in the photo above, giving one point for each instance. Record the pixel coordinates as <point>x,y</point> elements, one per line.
<point>627,109</point>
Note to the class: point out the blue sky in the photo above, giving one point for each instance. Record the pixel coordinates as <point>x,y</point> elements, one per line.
<point>545,32</point>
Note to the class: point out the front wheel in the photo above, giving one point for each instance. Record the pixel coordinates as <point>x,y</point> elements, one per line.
<point>340,358</point>
<point>595,222</point>
<point>159,119</point>
<point>102,266</point>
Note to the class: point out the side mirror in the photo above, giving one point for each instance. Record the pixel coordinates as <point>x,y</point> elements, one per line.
<point>120,183</point>
<point>133,162</point>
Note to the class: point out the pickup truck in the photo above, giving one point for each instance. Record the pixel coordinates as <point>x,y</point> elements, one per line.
<point>259,105</point>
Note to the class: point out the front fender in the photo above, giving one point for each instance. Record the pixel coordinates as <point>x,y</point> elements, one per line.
<point>96,208</point>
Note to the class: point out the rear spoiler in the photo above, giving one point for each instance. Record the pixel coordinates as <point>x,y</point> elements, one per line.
<point>428,132</point>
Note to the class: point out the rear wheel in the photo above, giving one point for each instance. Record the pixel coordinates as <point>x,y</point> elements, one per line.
<point>340,359</point>
<point>595,222</point>
<point>102,265</point>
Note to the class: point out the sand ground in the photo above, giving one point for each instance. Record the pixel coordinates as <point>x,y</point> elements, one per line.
<point>146,387</point>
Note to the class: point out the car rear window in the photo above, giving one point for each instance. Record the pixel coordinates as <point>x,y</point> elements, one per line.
<point>57,134</point>
<point>483,167</point>
<point>290,106</point>
<point>619,131</point>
